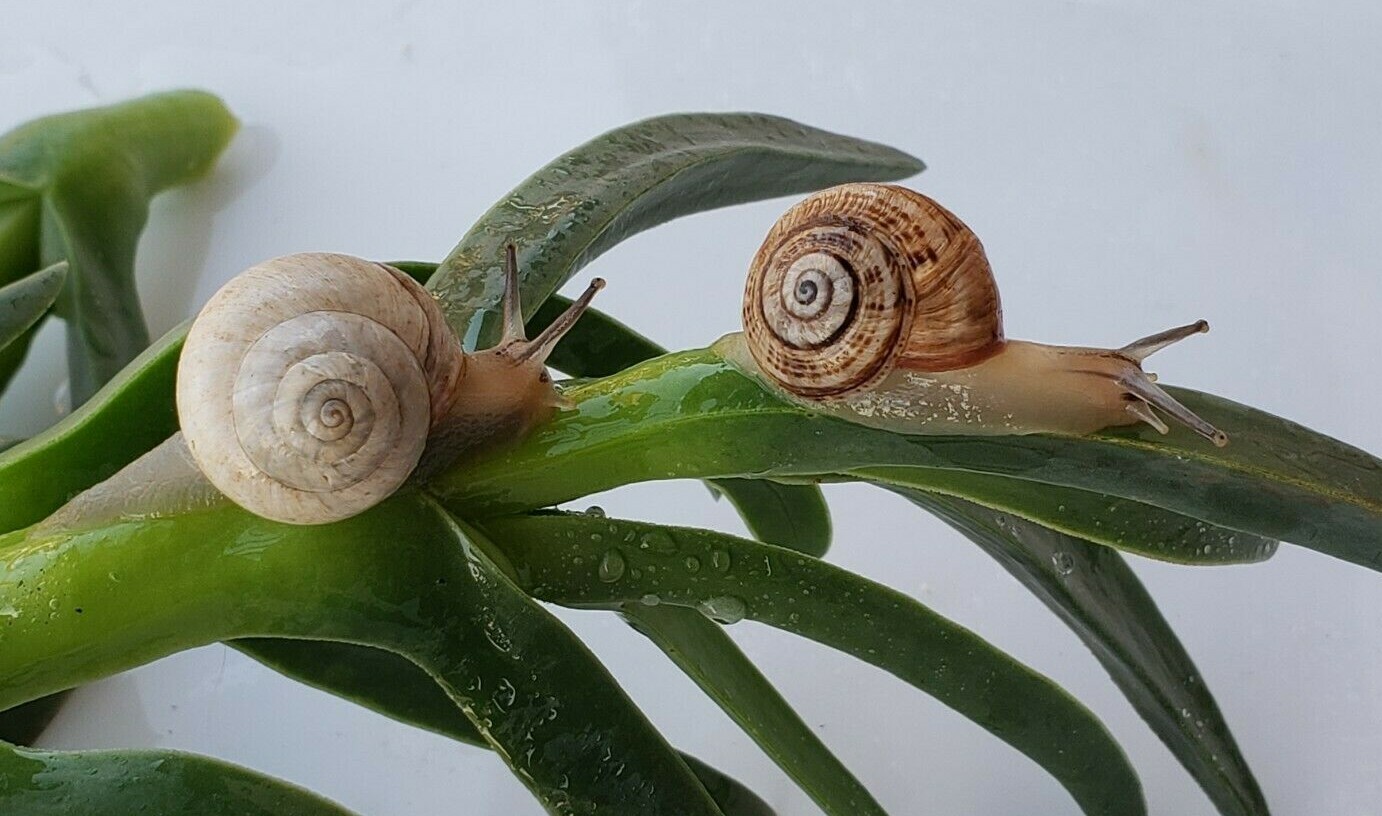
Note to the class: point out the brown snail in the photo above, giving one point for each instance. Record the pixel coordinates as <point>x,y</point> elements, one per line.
<point>873,303</point>
<point>312,386</point>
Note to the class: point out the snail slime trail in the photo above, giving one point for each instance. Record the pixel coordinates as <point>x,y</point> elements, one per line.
<point>875,304</point>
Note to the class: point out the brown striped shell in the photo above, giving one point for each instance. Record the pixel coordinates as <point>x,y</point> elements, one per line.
<point>863,278</point>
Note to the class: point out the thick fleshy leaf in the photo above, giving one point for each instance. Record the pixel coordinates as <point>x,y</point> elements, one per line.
<point>397,688</point>
<point>692,415</point>
<point>577,560</point>
<point>1094,592</point>
<point>633,178</point>
<point>121,783</point>
<point>23,302</point>
<point>126,419</point>
<point>94,172</point>
<point>19,220</point>
<point>709,657</point>
<point>121,595</point>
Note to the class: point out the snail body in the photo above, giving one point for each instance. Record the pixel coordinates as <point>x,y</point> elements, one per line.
<point>873,303</point>
<point>313,386</point>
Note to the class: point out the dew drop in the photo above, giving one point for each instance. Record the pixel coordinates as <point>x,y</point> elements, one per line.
<point>719,561</point>
<point>595,511</point>
<point>1063,562</point>
<point>650,599</point>
<point>723,609</point>
<point>693,564</point>
<point>659,542</point>
<point>611,567</point>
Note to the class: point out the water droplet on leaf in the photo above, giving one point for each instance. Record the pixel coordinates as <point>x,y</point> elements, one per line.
<point>611,567</point>
<point>723,609</point>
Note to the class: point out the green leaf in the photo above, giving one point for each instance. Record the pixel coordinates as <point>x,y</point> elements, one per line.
<point>1126,525</point>
<point>569,559</point>
<point>733,797</point>
<point>23,302</point>
<point>540,695</point>
<point>392,685</point>
<point>1094,592</point>
<point>789,515</point>
<point>94,172</point>
<point>692,415</point>
<point>121,595</point>
<point>710,658</point>
<point>119,783</point>
<point>633,178</point>
<point>126,419</point>
<point>378,680</point>
<point>18,257</point>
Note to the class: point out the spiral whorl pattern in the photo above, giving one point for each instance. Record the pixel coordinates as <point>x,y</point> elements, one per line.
<point>860,278</point>
<point>309,383</point>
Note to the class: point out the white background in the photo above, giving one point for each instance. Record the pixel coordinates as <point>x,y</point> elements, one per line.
<point>1129,166</point>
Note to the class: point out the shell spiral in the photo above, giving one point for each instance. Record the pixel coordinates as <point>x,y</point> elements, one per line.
<point>309,383</point>
<point>859,279</point>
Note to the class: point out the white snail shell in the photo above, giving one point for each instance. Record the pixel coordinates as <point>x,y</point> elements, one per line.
<point>308,385</point>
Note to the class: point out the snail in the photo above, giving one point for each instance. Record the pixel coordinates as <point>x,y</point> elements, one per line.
<point>312,386</point>
<point>873,303</point>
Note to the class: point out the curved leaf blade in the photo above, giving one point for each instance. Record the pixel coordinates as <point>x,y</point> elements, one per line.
<point>126,419</point>
<point>567,559</point>
<point>1130,526</point>
<point>118,783</point>
<point>95,172</point>
<point>537,674</point>
<point>1093,591</point>
<point>692,415</point>
<point>19,220</point>
<point>633,178</point>
<point>794,516</point>
<point>379,680</point>
<point>708,656</point>
<point>394,686</point>
<point>26,300</point>
<point>733,797</point>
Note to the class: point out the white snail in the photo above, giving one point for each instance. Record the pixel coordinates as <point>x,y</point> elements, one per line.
<point>873,303</point>
<point>311,385</point>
